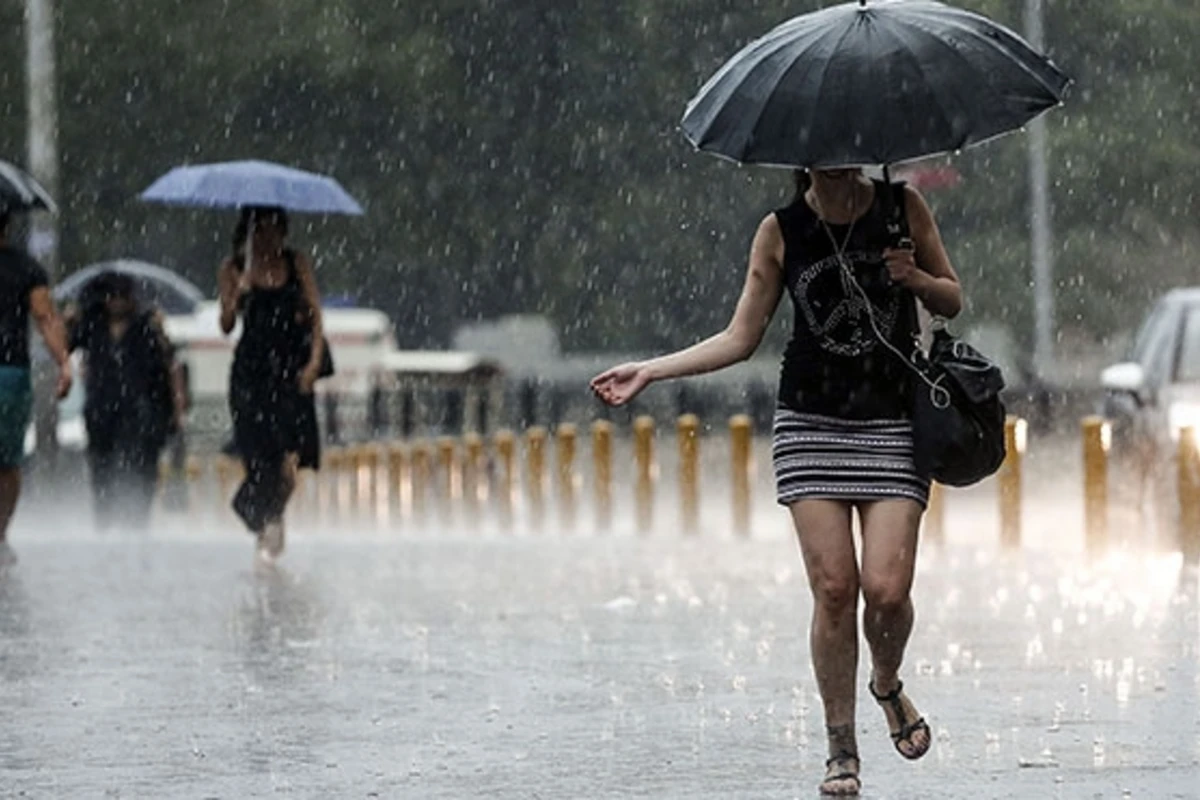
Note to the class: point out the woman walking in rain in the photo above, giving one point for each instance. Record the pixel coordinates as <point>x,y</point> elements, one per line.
<point>24,293</point>
<point>277,361</point>
<point>132,404</point>
<point>842,435</point>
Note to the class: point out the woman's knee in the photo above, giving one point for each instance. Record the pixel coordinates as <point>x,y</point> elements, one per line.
<point>835,592</point>
<point>884,593</point>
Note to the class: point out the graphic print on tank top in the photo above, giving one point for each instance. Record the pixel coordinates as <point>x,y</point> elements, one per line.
<point>833,309</point>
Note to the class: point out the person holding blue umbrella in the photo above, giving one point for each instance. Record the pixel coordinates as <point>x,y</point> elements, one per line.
<point>24,293</point>
<point>271,290</point>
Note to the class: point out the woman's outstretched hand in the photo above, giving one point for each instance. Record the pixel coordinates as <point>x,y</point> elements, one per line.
<point>619,385</point>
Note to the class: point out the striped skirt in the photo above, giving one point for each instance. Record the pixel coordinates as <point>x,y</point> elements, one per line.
<point>837,459</point>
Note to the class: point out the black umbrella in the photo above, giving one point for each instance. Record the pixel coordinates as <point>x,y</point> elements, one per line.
<point>20,192</point>
<point>869,83</point>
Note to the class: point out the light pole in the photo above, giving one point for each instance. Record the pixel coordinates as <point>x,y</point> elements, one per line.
<point>43,165</point>
<point>1039,219</point>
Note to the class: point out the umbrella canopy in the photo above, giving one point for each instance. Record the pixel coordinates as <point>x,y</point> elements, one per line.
<point>155,285</point>
<point>239,184</point>
<point>868,83</point>
<point>20,192</point>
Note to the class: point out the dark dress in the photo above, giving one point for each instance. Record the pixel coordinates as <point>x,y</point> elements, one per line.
<point>271,417</point>
<point>843,427</point>
<point>127,413</point>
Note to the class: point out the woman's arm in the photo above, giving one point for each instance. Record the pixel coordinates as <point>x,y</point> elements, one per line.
<point>229,291</point>
<point>760,297</point>
<point>312,299</point>
<point>926,270</point>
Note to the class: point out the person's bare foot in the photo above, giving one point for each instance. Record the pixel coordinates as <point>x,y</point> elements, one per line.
<point>908,728</point>
<point>270,544</point>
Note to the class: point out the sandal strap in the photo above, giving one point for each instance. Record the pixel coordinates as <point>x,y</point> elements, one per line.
<point>892,697</point>
<point>841,755</point>
<point>906,731</point>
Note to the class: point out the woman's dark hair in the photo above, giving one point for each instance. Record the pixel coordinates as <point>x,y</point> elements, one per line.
<point>257,213</point>
<point>105,286</point>
<point>803,180</point>
<point>4,217</point>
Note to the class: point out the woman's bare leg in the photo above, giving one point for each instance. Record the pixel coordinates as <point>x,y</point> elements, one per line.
<point>826,538</point>
<point>888,563</point>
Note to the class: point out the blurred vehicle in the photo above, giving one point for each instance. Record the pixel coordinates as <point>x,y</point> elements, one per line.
<point>1150,399</point>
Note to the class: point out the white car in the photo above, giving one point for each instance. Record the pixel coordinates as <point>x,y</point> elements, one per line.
<point>1150,399</point>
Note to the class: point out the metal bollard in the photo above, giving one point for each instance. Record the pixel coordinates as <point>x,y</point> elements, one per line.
<point>688,430</point>
<point>1097,439</point>
<point>566,437</point>
<point>1015,433</point>
<point>934,522</point>
<point>643,448</point>
<point>741,430</point>
<point>602,433</point>
<point>1189,496</point>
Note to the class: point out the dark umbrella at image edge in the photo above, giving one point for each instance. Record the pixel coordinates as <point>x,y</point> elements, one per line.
<point>876,83</point>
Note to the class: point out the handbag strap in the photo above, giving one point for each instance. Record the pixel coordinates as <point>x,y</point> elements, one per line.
<point>898,231</point>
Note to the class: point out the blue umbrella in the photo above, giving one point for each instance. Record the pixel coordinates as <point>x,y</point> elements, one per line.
<point>240,184</point>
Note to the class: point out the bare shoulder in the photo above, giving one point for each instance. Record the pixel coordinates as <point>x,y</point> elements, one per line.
<point>304,263</point>
<point>915,206</point>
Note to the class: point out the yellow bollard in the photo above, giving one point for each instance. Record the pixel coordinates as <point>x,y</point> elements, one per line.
<point>643,448</point>
<point>1010,482</point>
<point>399,485</point>
<point>506,447</point>
<point>934,522</point>
<point>741,430</point>
<point>535,444</point>
<point>688,430</point>
<point>422,476</point>
<point>602,433</point>
<point>226,470</point>
<point>473,487</point>
<point>1096,443</point>
<point>1189,496</point>
<point>449,477</point>
<point>566,437</point>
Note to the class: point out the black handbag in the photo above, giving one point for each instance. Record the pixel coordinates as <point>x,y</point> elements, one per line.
<point>957,414</point>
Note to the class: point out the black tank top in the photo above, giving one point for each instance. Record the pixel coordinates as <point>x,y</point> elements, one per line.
<point>834,364</point>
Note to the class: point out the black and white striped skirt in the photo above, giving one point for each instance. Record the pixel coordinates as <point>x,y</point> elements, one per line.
<point>837,459</point>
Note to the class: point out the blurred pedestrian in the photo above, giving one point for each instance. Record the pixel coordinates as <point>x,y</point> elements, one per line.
<point>279,357</point>
<point>131,404</point>
<point>24,292</point>
<point>843,439</point>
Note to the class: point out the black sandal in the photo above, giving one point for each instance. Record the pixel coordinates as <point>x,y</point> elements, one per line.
<point>844,775</point>
<point>907,729</point>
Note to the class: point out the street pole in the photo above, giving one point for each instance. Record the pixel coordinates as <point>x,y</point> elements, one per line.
<point>1039,219</point>
<point>43,165</point>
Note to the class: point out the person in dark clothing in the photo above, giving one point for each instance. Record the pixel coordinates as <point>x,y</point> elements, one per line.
<point>278,359</point>
<point>130,405</point>
<point>843,439</point>
<point>24,293</point>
